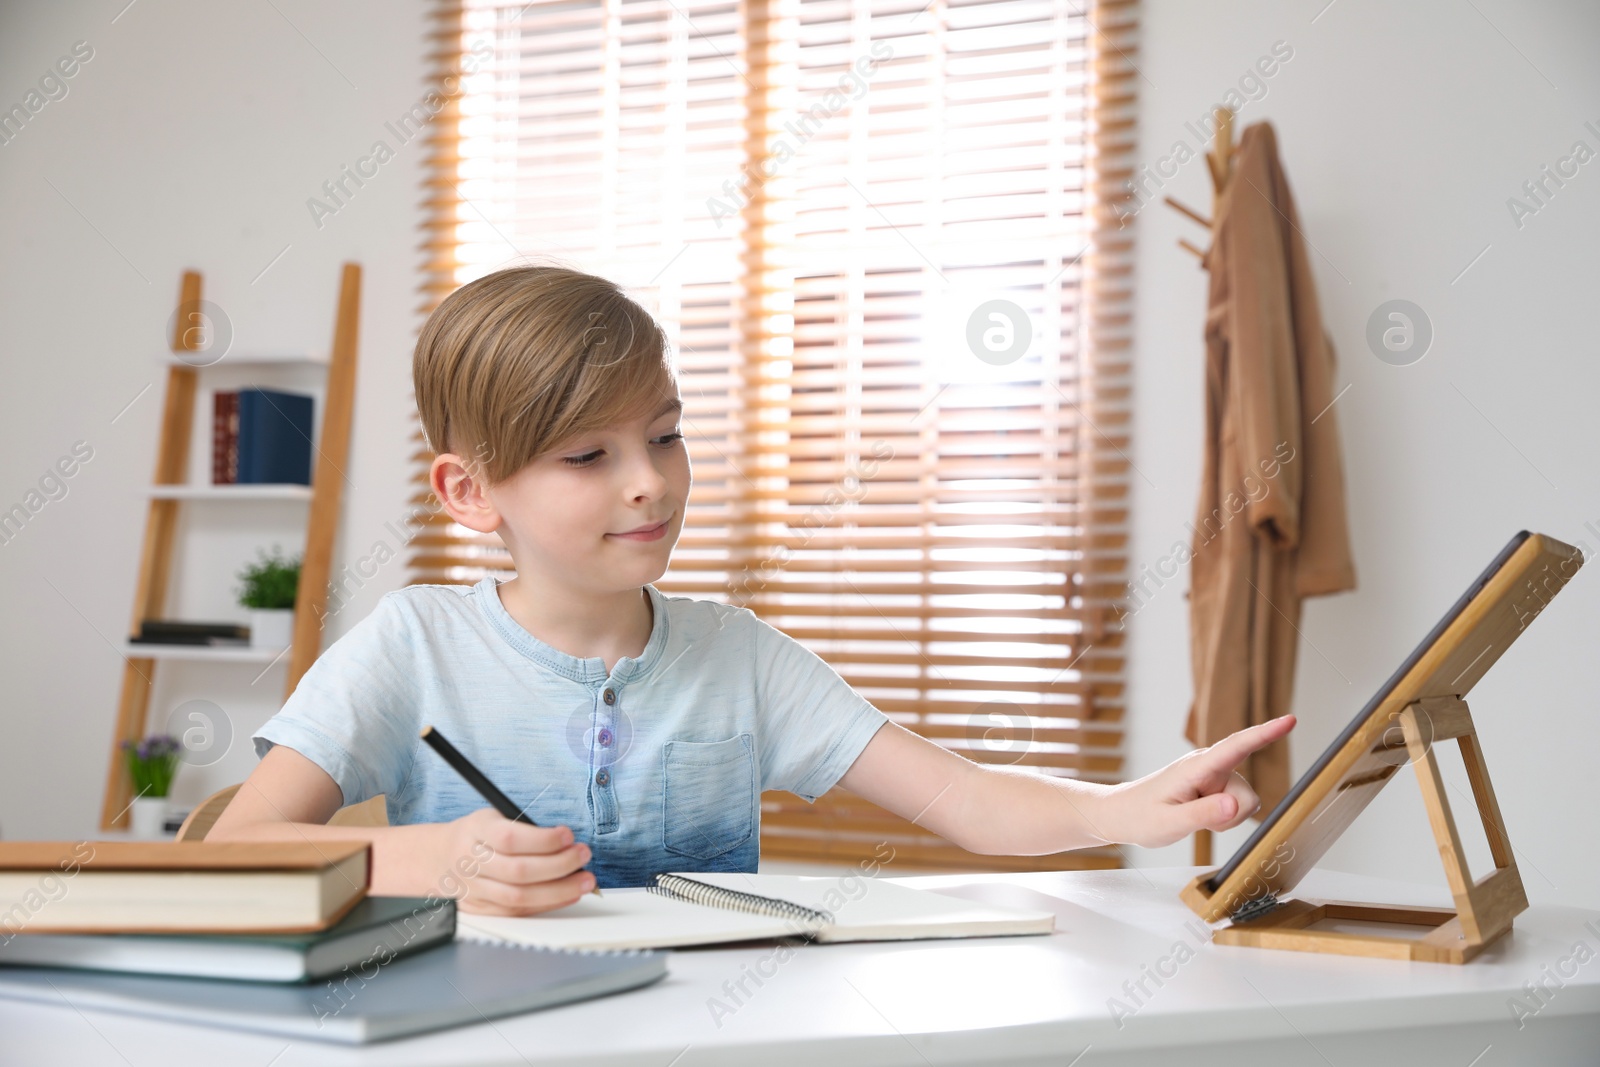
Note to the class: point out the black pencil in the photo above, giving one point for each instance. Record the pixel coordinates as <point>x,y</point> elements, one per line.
<point>479,781</point>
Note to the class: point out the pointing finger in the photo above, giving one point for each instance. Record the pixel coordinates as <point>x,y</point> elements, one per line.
<point>1221,758</point>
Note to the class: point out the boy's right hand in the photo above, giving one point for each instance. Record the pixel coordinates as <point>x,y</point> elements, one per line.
<point>498,866</point>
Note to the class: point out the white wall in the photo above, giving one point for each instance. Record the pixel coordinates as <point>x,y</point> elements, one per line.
<point>192,139</point>
<point>1404,129</point>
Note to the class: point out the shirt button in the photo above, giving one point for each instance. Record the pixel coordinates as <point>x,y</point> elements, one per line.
<point>602,777</point>
<point>604,738</point>
<point>609,696</point>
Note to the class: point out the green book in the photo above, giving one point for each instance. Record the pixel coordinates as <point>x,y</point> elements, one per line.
<point>375,931</point>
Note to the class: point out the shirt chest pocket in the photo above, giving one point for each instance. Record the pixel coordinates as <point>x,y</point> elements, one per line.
<point>709,796</point>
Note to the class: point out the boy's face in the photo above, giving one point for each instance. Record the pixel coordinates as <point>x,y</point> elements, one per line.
<point>601,512</point>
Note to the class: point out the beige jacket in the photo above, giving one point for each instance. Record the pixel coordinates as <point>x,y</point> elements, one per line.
<point>1270,527</point>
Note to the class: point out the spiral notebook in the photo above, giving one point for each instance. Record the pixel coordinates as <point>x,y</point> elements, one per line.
<point>707,909</point>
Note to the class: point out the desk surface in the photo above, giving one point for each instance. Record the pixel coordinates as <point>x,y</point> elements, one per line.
<point>1129,976</point>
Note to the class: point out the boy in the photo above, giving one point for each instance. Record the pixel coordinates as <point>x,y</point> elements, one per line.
<point>639,730</point>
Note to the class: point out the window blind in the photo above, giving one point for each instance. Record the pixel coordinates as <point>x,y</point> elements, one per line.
<point>883,238</point>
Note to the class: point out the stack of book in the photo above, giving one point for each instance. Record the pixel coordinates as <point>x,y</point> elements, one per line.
<point>260,436</point>
<point>276,937</point>
<point>173,632</point>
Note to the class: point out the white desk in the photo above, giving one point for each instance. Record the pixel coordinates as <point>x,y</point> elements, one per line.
<point>1027,1000</point>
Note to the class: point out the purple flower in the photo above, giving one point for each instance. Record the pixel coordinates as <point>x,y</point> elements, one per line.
<point>154,747</point>
<point>152,763</point>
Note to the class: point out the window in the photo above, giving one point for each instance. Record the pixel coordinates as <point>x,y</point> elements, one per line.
<point>884,241</point>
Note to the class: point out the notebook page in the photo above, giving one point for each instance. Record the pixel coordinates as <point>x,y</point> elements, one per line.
<point>867,909</point>
<point>622,919</point>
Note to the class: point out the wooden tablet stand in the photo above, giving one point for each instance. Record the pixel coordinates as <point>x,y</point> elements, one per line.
<point>1483,909</point>
<point>1423,702</point>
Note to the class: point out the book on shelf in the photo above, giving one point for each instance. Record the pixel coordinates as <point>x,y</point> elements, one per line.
<point>174,632</point>
<point>274,445</point>
<point>179,887</point>
<point>225,437</point>
<point>377,928</point>
<point>260,436</point>
<point>154,627</point>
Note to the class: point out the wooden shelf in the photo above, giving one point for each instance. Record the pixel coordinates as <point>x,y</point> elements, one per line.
<point>173,484</point>
<point>203,653</point>
<point>230,492</point>
<point>253,359</point>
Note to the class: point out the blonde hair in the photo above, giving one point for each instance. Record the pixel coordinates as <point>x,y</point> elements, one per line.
<point>511,365</point>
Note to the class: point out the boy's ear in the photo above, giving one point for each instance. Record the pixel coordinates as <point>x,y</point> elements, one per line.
<point>463,493</point>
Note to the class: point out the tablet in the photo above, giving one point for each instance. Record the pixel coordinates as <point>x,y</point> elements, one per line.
<point>1459,650</point>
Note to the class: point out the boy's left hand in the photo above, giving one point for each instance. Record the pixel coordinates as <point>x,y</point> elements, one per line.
<point>1199,790</point>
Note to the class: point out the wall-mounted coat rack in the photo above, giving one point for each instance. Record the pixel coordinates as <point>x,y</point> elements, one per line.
<point>1219,161</point>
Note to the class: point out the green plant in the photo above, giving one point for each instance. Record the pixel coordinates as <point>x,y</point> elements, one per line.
<point>152,764</point>
<point>270,583</point>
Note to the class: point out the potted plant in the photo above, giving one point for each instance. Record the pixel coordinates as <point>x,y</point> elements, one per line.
<point>268,591</point>
<point>152,763</point>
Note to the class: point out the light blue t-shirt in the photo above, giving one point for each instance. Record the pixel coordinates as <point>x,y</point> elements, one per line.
<point>658,765</point>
